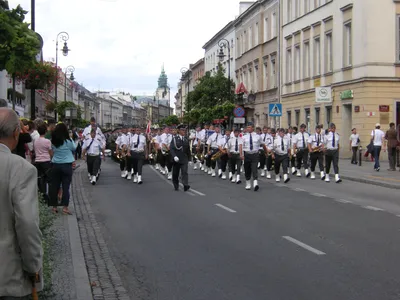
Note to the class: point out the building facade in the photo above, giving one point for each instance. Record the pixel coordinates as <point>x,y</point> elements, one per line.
<point>257,59</point>
<point>340,45</point>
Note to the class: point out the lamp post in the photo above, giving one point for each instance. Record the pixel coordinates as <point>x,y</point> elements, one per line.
<point>64,37</point>
<point>225,43</point>
<point>71,70</point>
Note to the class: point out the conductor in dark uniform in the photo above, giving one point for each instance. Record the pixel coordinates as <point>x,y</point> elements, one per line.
<point>180,154</point>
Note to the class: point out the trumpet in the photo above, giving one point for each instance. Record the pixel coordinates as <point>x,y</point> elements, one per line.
<point>317,149</point>
<point>218,155</point>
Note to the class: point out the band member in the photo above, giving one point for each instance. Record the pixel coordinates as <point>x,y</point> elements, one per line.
<point>316,148</point>
<point>212,143</point>
<point>126,148</point>
<point>263,156</point>
<point>251,146</point>
<point>292,157</point>
<point>197,139</point>
<point>270,145</point>
<point>166,164</point>
<point>119,145</point>
<point>235,153</point>
<point>157,146</point>
<point>223,159</point>
<point>138,154</point>
<point>332,147</point>
<point>180,152</point>
<point>280,153</point>
<point>92,147</point>
<point>301,150</point>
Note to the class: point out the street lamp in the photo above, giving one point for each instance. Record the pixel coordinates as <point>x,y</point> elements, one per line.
<point>225,43</point>
<point>71,70</point>
<point>64,37</point>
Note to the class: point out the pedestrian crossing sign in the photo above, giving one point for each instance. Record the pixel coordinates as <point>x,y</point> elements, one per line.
<point>275,110</point>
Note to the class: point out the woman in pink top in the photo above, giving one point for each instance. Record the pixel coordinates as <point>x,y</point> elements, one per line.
<point>44,153</point>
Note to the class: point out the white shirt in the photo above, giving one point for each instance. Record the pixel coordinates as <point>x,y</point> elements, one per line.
<point>329,140</point>
<point>290,137</point>
<point>257,142</point>
<point>224,141</point>
<point>95,146</point>
<point>231,145</point>
<point>354,139</point>
<point>264,137</point>
<point>298,140</point>
<point>214,140</point>
<point>277,146</point>
<point>166,139</point>
<point>138,143</point>
<point>270,141</point>
<point>316,140</point>
<point>198,137</point>
<point>379,135</point>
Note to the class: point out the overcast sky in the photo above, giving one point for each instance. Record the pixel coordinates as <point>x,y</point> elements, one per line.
<point>122,44</point>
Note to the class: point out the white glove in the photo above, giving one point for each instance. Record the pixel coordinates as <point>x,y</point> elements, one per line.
<point>176,158</point>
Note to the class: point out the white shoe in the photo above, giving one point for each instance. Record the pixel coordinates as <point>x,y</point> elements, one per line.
<point>337,178</point>
<point>163,172</point>
<point>223,176</point>
<point>307,173</point>
<point>132,172</point>
<point>89,176</point>
<point>205,170</point>
<point>286,178</point>
<point>219,172</point>
<point>298,173</point>
<point>201,167</point>
<point>238,181</point>
<point>135,178</point>
<point>123,174</point>
<point>233,180</point>
<point>139,179</point>
<point>322,175</point>
<point>157,167</point>
<point>268,175</point>
<point>195,167</point>
<point>255,185</point>
<point>293,170</point>
<point>262,173</point>
<point>327,178</point>
<point>209,172</point>
<point>241,169</point>
<point>278,178</point>
<point>258,166</point>
<point>129,176</point>
<point>213,173</point>
<point>166,170</point>
<point>93,181</point>
<point>169,176</point>
<point>230,176</point>
<point>248,185</point>
<point>312,175</point>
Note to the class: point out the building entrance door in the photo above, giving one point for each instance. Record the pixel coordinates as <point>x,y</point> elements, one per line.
<point>347,123</point>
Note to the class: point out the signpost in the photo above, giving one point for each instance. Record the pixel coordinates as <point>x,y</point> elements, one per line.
<point>323,94</point>
<point>275,110</point>
<point>239,112</point>
<point>238,120</point>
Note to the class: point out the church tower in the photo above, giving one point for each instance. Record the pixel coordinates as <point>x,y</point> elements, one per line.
<point>163,91</point>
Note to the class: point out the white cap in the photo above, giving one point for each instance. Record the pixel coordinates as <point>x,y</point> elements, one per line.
<point>377,125</point>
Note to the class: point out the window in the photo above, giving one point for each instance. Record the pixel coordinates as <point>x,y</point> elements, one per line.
<point>297,62</point>
<point>273,25</point>
<point>317,115</point>
<point>256,32</point>
<point>328,52</point>
<point>307,118</point>
<point>297,9</point>
<point>289,64</point>
<point>297,118</point>
<point>250,41</point>
<point>265,78</point>
<point>266,29</point>
<point>289,118</point>
<point>347,55</point>
<point>317,56</point>
<point>242,48</point>
<point>273,72</point>
<point>306,60</point>
<point>237,47</point>
<point>398,38</point>
<point>289,10</point>
<point>256,78</point>
<point>328,115</point>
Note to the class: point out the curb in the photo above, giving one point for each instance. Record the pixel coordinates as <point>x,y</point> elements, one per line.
<point>373,182</point>
<point>81,277</point>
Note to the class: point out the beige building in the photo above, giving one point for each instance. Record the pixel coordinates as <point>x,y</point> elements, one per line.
<point>351,47</point>
<point>257,59</point>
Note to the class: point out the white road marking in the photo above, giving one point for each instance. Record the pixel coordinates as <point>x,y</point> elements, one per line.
<point>398,216</point>
<point>343,201</point>
<point>373,208</point>
<point>318,195</point>
<point>305,246</point>
<point>226,208</point>
<point>190,192</point>
<point>299,190</point>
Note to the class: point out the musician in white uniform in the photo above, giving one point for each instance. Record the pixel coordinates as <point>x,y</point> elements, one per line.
<point>316,149</point>
<point>235,154</point>
<point>197,138</point>
<point>263,156</point>
<point>270,140</point>
<point>280,154</point>
<point>292,157</point>
<point>166,159</point>
<point>213,143</point>
<point>93,146</point>
<point>332,146</point>
<point>223,160</point>
<point>300,148</point>
<point>138,153</point>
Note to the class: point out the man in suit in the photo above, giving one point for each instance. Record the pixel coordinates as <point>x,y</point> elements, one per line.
<point>180,153</point>
<point>20,236</point>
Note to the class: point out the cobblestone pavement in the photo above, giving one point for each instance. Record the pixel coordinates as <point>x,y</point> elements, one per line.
<point>105,280</point>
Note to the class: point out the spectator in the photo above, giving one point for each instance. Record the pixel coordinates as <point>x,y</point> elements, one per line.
<point>50,127</point>
<point>34,135</point>
<point>391,137</point>
<point>24,138</point>
<point>61,172</point>
<point>20,236</point>
<point>44,152</point>
<point>3,103</point>
<point>378,139</point>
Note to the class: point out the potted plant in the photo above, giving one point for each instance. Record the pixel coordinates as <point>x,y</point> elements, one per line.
<point>41,76</point>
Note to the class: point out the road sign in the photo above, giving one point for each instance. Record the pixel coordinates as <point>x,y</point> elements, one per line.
<point>238,112</point>
<point>238,120</point>
<point>323,94</point>
<point>275,110</point>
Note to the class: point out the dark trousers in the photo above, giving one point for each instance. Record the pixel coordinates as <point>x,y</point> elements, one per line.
<point>43,169</point>
<point>122,163</point>
<point>129,163</point>
<point>317,157</point>
<point>235,163</point>
<point>263,159</point>
<point>137,162</point>
<point>392,157</point>
<point>158,157</point>
<point>281,160</point>
<point>250,165</point>
<point>269,162</point>
<point>166,162</point>
<point>292,161</point>
<point>93,164</point>
<point>209,162</point>
<point>332,156</point>
<point>176,169</point>
<point>377,153</point>
<point>78,151</point>
<point>61,174</point>
<point>223,162</point>
<point>354,156</point>
<point>302,157</point>
<point>201,151</point>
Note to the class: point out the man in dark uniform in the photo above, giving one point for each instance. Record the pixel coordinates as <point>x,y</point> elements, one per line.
<point>180,153</point>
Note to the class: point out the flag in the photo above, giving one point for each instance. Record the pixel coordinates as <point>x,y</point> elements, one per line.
<point>148,128</point>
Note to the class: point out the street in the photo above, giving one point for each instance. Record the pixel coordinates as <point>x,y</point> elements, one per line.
<point>303,240</point>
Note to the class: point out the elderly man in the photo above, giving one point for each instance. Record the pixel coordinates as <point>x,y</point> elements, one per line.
<point>20,236</point>
<point>3,103</point>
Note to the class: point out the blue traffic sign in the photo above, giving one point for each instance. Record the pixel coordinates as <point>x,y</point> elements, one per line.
<point>275,110</point>
<point>238,112</point>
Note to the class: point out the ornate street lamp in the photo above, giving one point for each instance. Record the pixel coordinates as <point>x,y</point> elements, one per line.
<point>68,70</point>
<point>221,55</point>
<point>64,37</point>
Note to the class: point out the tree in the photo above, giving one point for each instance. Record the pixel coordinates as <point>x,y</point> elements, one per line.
<point>170,120</point>
<point>18,44</point>
<point>62,106</point>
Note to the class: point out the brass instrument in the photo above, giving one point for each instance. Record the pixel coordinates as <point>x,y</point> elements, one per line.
<point>164,150</point>
<point>317,149</point>
<point>218,155</point>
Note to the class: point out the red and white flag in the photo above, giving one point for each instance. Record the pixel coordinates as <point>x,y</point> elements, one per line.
<point>148,128</point>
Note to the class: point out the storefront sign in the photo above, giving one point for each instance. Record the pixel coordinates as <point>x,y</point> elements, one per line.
<point>348,94</point>
<point>357,108</point>
<point>238,120</point>
<point>323,95</point>
<point>383,108</point>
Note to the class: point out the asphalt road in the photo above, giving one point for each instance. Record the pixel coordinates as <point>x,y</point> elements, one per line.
<point>303,240</point>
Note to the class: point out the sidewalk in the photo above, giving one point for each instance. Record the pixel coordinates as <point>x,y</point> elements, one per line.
<point>366,173</point>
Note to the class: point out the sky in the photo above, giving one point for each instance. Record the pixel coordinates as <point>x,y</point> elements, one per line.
<point>121,45</point>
